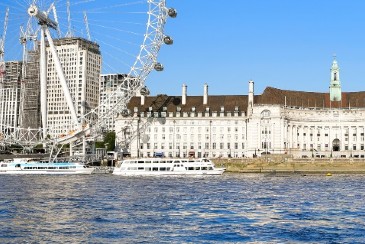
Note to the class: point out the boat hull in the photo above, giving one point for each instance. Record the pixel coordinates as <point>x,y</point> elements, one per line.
<point>36,167</point>
<point>167,166</point>
<point>86,171</point>
<point>167,173</point>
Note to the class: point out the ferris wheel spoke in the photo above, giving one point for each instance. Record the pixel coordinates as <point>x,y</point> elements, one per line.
<point>131,36</point>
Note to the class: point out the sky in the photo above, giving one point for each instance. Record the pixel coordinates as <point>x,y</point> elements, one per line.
<point>285,44</point>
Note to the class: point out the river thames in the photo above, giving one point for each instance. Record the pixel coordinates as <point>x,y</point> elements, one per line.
<point>232,208</point>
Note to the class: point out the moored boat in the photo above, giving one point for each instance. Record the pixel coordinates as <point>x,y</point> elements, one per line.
<point>32,166</point>
<point>167,166</point>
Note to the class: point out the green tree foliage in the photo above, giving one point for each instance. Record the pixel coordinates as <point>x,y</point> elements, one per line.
<point>109,141</point>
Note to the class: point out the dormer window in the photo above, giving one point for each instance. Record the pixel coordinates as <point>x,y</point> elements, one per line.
<point>178,108</point>
<point>207,109</point>
<point>150,109</point>
<point>193,109</point>
<point>236,108</point>
<point>135,109</point>
<point>222,108</point>
<point>265,113</point>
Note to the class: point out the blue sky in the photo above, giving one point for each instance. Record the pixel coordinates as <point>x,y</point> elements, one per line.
<point>286,44</point>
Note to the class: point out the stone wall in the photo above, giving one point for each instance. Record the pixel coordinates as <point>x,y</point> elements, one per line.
<point>290,165</point>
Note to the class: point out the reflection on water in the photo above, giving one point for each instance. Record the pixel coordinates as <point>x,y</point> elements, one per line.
<point>229,208</point>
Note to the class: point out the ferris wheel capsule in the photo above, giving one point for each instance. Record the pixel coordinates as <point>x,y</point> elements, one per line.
<point>172,12</point>
<point>168,40</point>
<point>158,67</point>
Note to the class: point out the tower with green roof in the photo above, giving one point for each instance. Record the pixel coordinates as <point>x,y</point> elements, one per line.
<point>335,85</point>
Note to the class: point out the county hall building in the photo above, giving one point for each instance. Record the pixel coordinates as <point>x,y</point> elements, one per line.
<point>297,123</point>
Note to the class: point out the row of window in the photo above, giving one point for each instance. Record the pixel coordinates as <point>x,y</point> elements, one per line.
<point>163,168</point>
<point>192,145</point>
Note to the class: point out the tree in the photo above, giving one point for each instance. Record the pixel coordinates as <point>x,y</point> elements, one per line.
<point>108,143</point>
<point>109,140</point>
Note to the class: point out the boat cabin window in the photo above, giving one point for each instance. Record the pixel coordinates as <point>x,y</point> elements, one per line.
<point>17,166</point>
<point>4,165</point>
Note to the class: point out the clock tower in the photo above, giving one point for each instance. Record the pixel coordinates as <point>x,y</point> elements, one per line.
<point>335,85</point>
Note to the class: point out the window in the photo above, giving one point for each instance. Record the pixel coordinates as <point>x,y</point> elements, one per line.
<point>265,113</point>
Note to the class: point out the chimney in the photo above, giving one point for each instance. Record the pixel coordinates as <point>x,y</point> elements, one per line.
<point>250,97</point>
<point>205,98</point>
<point>142,100</point>
<point>183,100</point>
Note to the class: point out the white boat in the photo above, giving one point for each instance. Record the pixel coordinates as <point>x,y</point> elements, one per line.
<point>167,166</point>
<point>32,166</point>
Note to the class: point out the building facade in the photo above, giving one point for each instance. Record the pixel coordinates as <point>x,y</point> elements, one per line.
<point>109,96</point>
<point>302,124</point>
<point>81,62</point>
<point>10,96</point>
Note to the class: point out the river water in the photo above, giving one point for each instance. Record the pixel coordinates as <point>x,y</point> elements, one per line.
<point>232,208</point>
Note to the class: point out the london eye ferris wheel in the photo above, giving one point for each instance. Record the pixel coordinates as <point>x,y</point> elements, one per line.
<point>129,35</point>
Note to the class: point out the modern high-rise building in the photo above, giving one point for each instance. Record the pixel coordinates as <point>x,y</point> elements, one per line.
<point>10,96</point>
<point>29,112</point>
<point>109,96</point>
<point>81,62</point>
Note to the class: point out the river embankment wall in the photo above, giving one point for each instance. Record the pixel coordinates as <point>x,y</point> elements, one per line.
<point>291,165</point>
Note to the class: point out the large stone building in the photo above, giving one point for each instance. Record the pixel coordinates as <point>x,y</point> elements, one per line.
<point>302,124</point>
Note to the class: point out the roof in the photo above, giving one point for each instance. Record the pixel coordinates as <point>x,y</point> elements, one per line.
<point>232,102</point>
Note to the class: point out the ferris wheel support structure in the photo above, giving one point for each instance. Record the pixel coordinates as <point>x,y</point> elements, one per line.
<point>93,122</point>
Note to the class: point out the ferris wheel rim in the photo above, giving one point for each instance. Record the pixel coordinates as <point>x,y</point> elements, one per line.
<point>141,68</point>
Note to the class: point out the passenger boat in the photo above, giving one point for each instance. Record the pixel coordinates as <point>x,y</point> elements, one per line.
<point>32,166</point>
<point>167,166</point>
